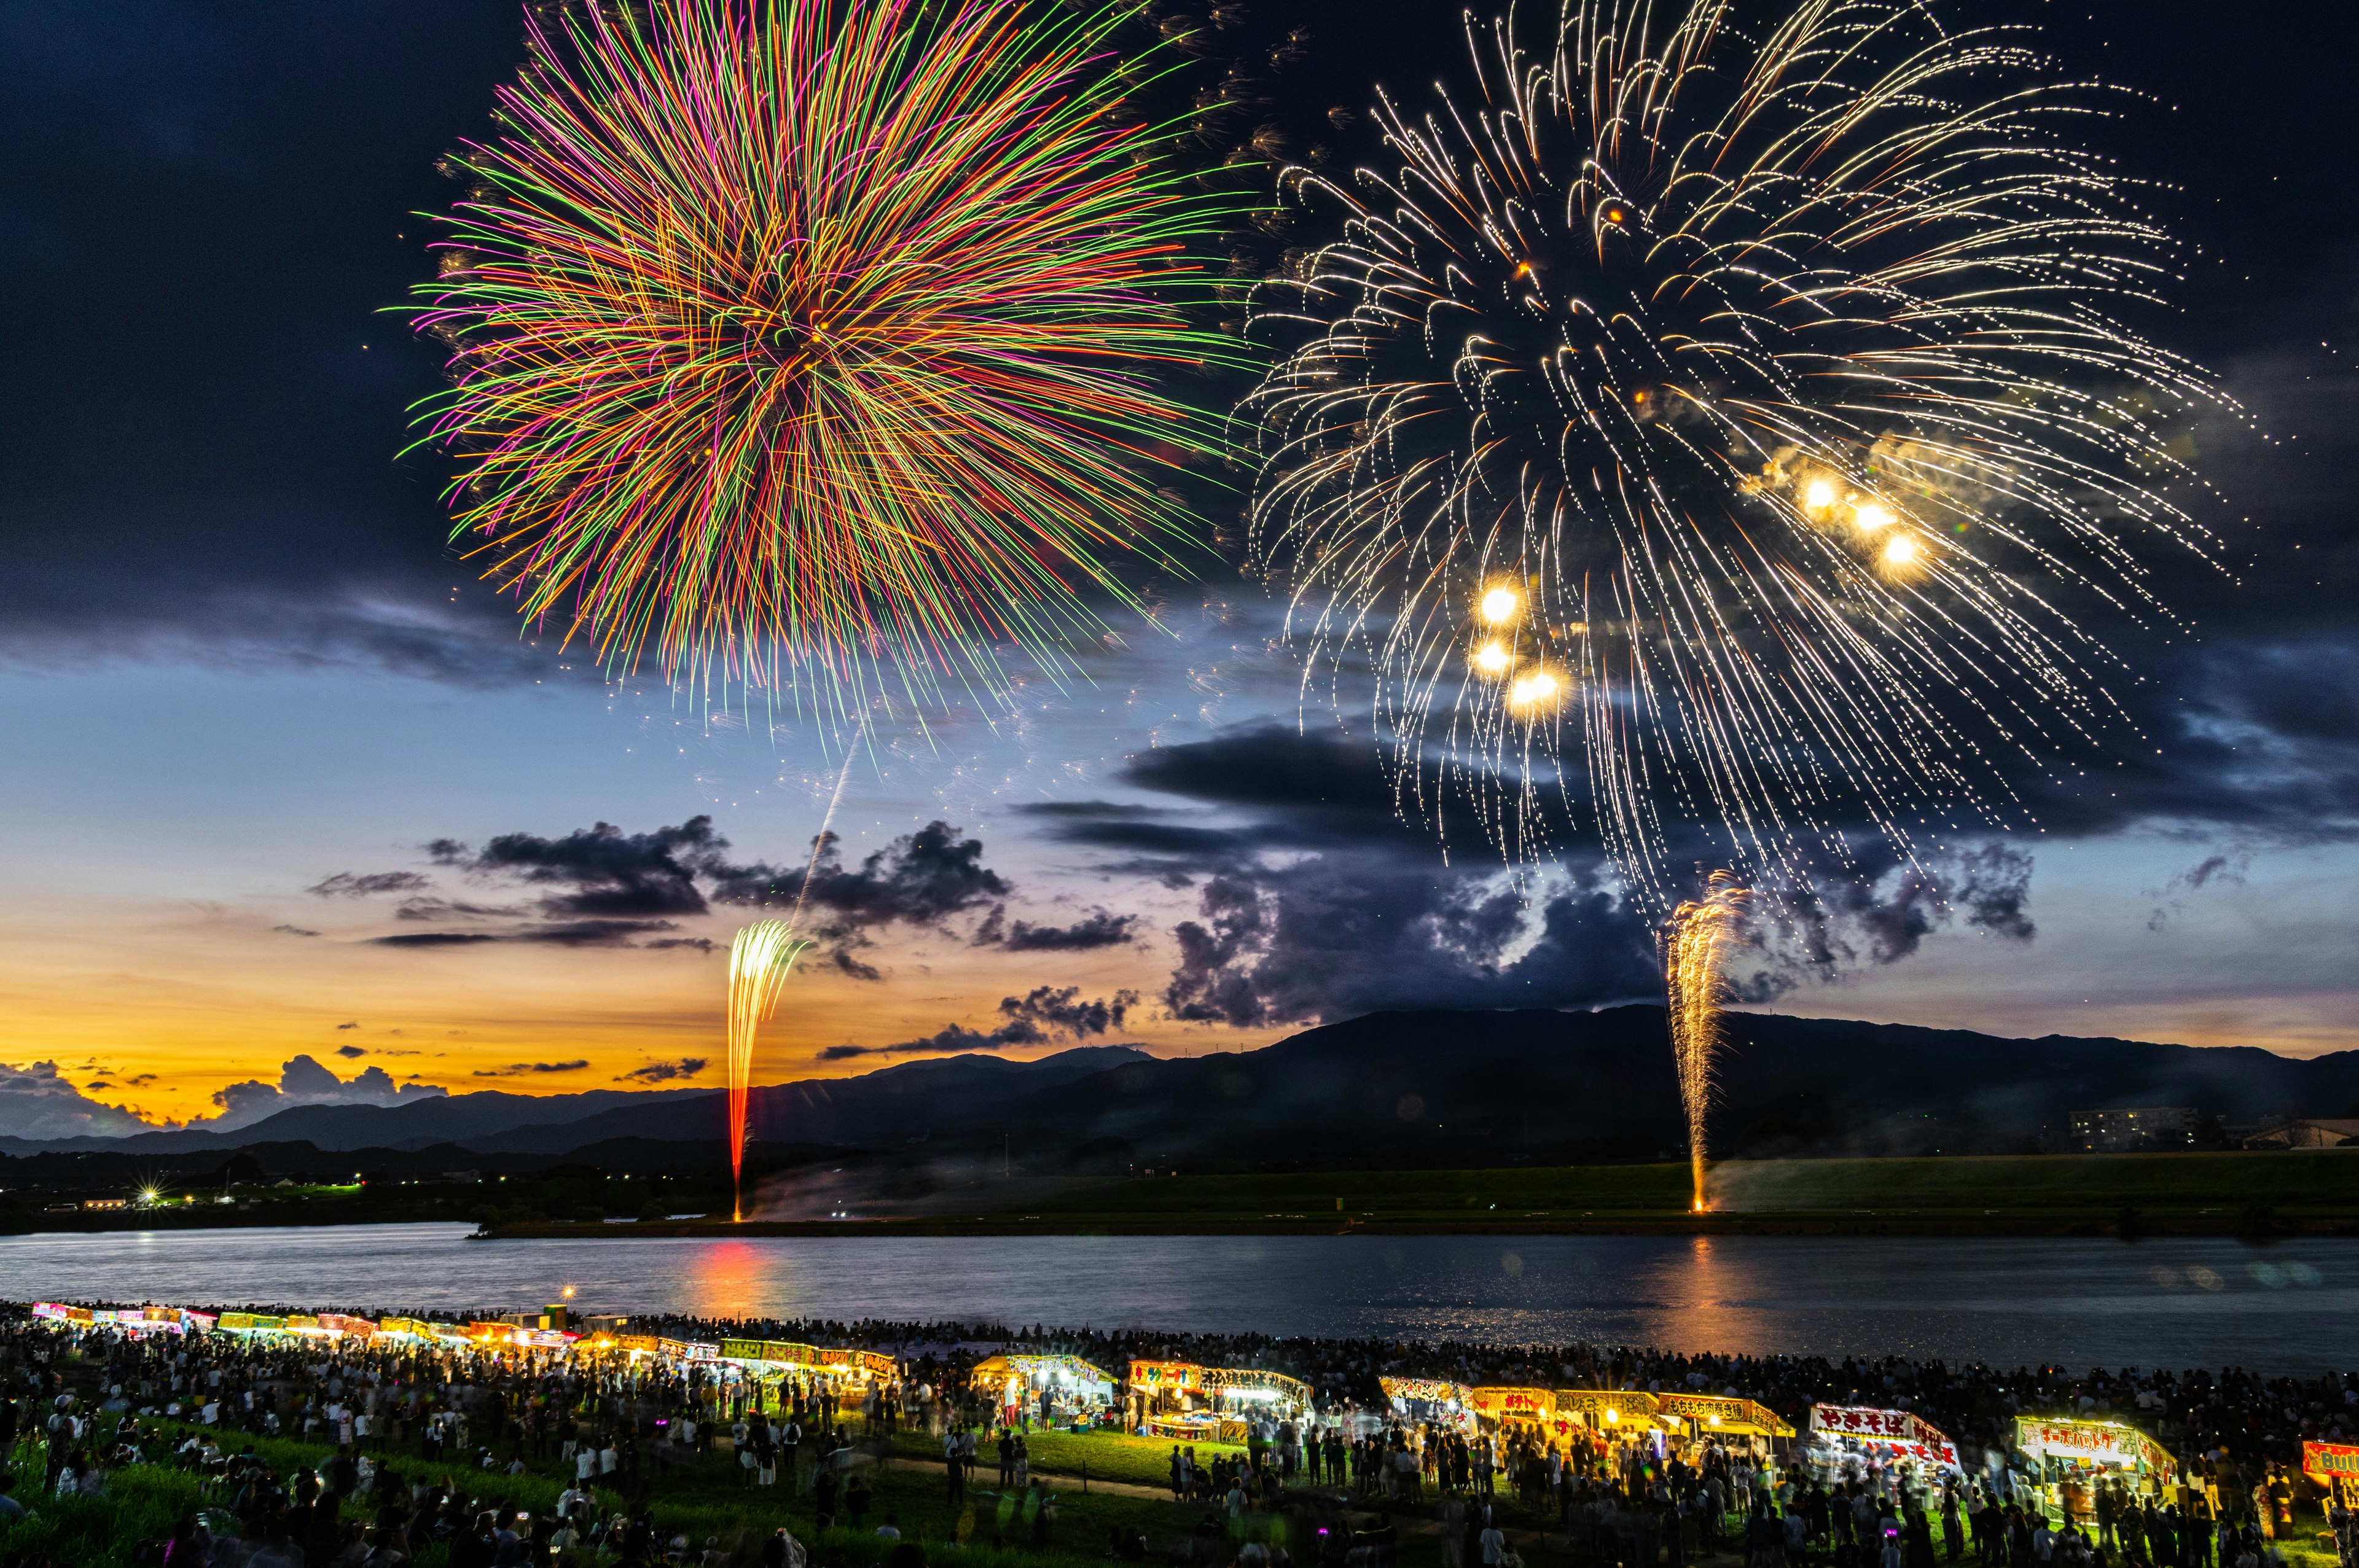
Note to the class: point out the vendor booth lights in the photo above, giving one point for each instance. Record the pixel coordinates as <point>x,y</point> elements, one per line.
<point>1055,1387</point>
<point>1211,1404</point>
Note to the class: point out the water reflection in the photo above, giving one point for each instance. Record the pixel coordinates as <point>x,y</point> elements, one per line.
<point>2016,1301</point>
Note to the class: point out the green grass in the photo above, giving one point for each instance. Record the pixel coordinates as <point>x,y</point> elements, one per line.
<point>699,1497</point>
<point>2293,1185</point>
<point>1109,1456</point>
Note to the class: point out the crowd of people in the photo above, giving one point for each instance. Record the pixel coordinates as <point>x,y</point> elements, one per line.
<point>421,1436</point>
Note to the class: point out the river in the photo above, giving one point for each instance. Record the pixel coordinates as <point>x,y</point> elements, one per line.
<point>2291,1306</point>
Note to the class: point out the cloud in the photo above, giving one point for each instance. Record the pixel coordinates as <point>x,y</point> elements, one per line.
<point>354,1024</point>
<point>36,1100</point>
<point>1042,1015</point>
<point>665,1072</point>
<point>602,887</point>
<point>294,931</point>
<point>349,1052</point>
<point>600,873</point>
<point>303,1081</point>
<point>364,884</point>
<point>1099,928</point>
<point>920,879</point>
<point>451,909</point>
<point>525,1069</point>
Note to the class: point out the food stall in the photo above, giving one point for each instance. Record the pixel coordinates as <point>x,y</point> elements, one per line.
<point>1724,1421</point>
<point>1847,1439</point>
<point>1428,1401</point>
<point>2335,1466</point>
<point>1062,1391</point>
<point>769,1363</point>
<point>1496,1407</point>
<point>2069,1457</point>
<point>1181,1401</point>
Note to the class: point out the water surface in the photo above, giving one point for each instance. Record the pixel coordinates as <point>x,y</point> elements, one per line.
<point>2287,1306</point>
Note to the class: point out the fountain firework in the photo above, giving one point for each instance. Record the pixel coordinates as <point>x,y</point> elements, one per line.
<point>1695,951</point>
<point>759,959</point>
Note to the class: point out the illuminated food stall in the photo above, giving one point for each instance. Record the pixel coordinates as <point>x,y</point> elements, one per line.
<point>1716,1416</point>
<point>1427,1401</point>
<point>1189,1403</point>
<point>1503,1407</point>
<point>2069,1457</point>
<point>2335,1466</point>
<point>1846,1438</point>
<point>769,1363</point>
<point>1609,1413</point>
<point>1062,1389</point>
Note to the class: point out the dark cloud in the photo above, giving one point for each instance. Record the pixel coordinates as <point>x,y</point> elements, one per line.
<point>525,1069</point>
<point>294,931</point>
<point>701,943</point>
<point>362,884</point>
<point>352,1024</point>
<point>1099,928</point>
<point>452,909</point>
<point>920,879</point>
<point>603,873</point>
<point>665,1072</point>
<point>348,1052</point>
<point>1041,1014</point>
<point>432,939</point>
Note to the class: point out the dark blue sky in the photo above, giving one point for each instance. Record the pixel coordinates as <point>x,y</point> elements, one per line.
<point>238,656</point>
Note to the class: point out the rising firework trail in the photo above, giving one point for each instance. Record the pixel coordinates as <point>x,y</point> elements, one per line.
<point>759,959</point>
<point>825,344</point>
<point>1713,424</point>
<point>1696,943</point>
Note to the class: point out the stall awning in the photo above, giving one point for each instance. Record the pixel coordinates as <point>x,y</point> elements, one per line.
<point>2095,1442</point>
<point>1031,1368</point>
<point>1716,1412</point>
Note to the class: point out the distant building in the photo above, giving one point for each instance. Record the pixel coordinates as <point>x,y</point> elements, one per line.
<point>2306,1132</point>
<point>2127,1130</point>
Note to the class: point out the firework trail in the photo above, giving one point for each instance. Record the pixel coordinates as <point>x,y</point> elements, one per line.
<point>759,959</point>
<point>1705,425</point>
<point>822,344</point>
<point>1696,942</point>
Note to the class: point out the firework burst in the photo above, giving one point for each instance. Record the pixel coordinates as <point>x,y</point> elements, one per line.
<point>795,342</point>
<point>1697,941</point>
<point>760,956</point>
<point>1713,425</point>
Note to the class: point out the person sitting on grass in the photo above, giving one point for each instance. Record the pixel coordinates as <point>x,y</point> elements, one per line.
<point>891,1528</point>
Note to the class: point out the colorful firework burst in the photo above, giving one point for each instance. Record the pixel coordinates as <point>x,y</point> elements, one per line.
<point>805,342</point>
<point>1716,426</point>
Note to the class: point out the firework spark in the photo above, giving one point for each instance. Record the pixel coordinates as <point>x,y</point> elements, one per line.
<point>1696,942</point>
<point>800,342</point>
<point>1711,425</point>
<point>759,959</point>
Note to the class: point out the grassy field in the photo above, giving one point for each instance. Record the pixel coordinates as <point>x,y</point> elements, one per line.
<point>1101,1455</point>
<point>2293,1186</point>
<point>2300,1193</point>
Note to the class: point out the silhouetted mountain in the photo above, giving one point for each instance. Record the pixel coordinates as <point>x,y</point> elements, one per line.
<point>1389,1090</point>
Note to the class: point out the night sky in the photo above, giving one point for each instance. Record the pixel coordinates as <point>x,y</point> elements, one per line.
<point>282,778</point>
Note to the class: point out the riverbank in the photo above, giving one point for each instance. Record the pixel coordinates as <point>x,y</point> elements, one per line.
<point>2251,1195</point>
